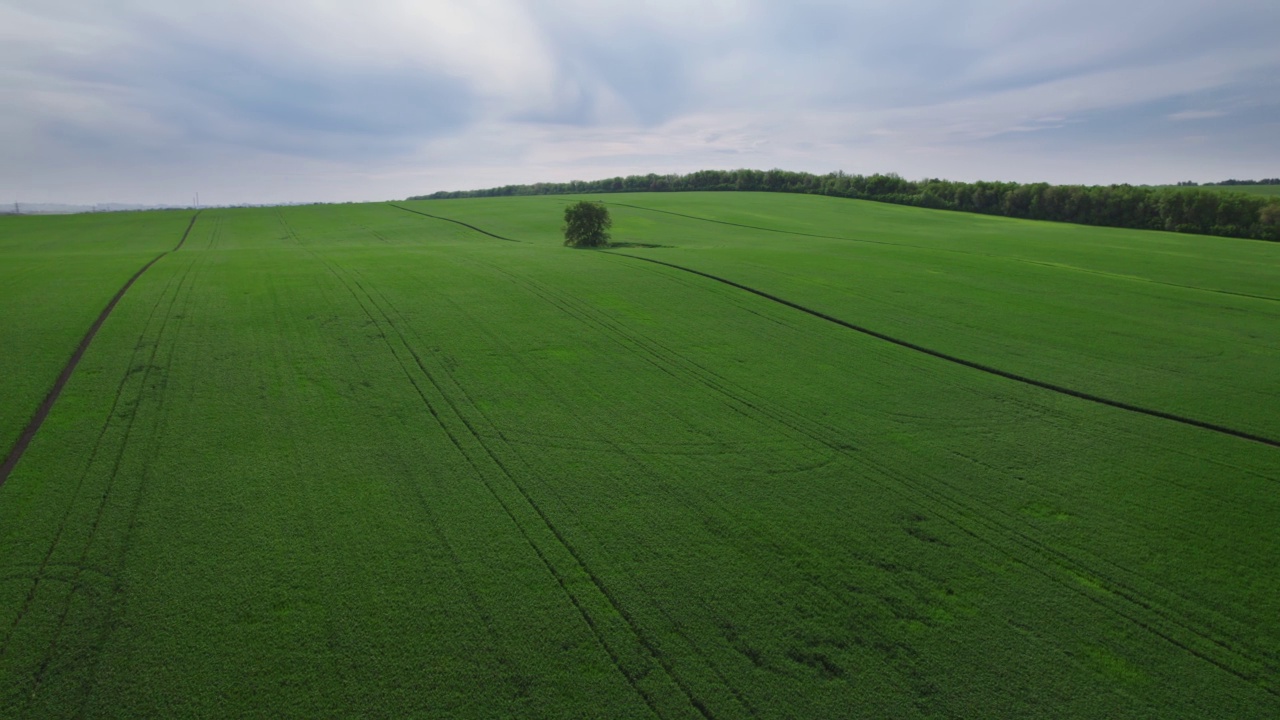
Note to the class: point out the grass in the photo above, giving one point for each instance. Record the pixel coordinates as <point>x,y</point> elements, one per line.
<point>58,273</point>
<point>1266,190</point>
<point>1162,320</point>
<point>344,460</point>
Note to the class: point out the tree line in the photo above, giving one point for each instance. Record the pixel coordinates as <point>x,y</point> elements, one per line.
<point>1178,209</point>
<point>1233,181</point>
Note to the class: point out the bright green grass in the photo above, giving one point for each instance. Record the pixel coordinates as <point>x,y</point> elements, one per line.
<point>348,460</point>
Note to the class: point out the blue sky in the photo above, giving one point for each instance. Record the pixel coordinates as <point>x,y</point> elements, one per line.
<point>291,100</point>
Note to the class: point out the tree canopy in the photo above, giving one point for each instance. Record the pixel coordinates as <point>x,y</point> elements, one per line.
<point>586,224</point>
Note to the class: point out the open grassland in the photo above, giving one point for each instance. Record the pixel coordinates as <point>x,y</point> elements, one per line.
<point>420,459</point>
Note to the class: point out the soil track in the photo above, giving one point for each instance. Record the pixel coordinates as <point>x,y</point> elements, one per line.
<point>455,222</point>
<point>42,412</point>
<point>928,248</point>
<point>968,363</point>
<point>904,343</point>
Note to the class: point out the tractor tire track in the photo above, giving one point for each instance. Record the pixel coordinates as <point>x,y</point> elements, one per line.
<point>215,235</point>
<point>41,569</point>
<point>455,222</point>
<point>632,679</point>
<point>42,412</point>
<point>1043,556</point>
<point>1005,531</point>
<point>111,622</point>
<point>832,438</point>
<point>501,436</point>
<point>642,469</point>
<point>532,371</point>
<point>110,485</point>
<point>819,433</point>
<point>772,230</point>
<point>1011,258</point>
<point>761,408</point>
<point>1134,599</point>
<point>98,442</point>
<point>633,344</point>
<point>1134,278</point>
<point>456,565</point>
<point>1078,394</point>
<point>456,562</point>
<point>1064,563</point>
<point>1071,569</point>
<point>382,238</point>
<point>758,411</point>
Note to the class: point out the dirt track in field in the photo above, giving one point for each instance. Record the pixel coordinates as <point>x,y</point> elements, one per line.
<point>969,363</point>
<point>42,412</point>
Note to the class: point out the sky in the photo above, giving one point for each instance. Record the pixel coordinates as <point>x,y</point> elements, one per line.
<point>241,101</point>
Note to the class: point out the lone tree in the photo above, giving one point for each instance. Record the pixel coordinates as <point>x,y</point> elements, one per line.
<point>586,224</point>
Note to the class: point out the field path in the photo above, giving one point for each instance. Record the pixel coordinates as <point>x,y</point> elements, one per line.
<point>1058,266</point>
<point>42,412</point>
<point>455,222</point>
<point>969,363</point>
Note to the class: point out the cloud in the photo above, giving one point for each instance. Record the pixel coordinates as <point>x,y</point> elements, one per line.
<point>1196,114</point>
<point>334,100</point>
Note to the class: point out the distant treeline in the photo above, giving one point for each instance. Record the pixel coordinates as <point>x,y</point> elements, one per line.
<point>1178,209</point>
<point>1263,181</point>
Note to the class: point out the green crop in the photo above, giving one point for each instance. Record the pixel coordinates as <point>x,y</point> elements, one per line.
<point>824,458</point>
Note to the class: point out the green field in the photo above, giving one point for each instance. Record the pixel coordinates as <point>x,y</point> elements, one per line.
<point>1267,190</point>
<point>823,458</point>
